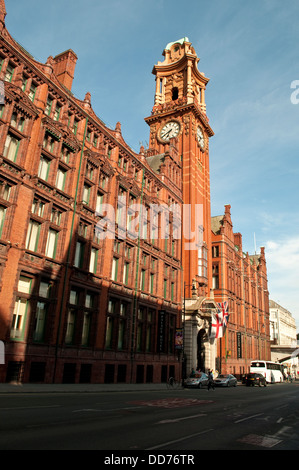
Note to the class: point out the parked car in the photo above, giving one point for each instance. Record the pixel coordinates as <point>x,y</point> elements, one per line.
<point>226,380</point>
<point>196,380</point>
<point>255,379</point>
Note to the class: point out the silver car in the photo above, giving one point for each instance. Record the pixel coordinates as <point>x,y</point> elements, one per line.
<point>225,380</point>
<point>197,381</point>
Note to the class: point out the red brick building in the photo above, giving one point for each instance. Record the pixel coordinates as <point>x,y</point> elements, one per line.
<point>92,288</point>
<point>241,280</point>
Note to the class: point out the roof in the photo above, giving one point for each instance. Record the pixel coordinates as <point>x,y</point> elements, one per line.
<point>155,162</point>
<point>217,223</point>
<point>179,41</point>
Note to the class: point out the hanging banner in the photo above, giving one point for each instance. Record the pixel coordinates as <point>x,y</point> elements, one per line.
<point>179,339</point>
<point>161,331</point>
<point>239,345</point>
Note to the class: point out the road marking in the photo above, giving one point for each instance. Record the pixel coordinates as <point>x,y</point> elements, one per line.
<point>248,417</point>
<point>107,409</point>
<point>262,441</point>
<point>281,431</point>
<point>29,407</point>
<point>173,402</point>
<point>179,440</point>
<point>166,421</point>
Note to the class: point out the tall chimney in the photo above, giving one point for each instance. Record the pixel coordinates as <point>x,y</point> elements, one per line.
<point>64,67</point>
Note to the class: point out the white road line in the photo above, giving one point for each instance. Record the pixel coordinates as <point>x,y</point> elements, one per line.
<point>166,421</point>
<point>29,407</point>
<point>248,417</point>
<point>180,440</point>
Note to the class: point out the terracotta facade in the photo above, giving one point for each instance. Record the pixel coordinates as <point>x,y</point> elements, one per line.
<point>241,280</point>
<point>93,288</point>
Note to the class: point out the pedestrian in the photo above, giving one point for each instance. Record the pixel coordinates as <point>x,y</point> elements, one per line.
<point>210,380</point>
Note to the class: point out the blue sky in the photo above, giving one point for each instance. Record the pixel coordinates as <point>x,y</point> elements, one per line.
<point>249,51</point>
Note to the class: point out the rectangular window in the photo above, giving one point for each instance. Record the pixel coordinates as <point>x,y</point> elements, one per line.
<point>9,73</point>
<point>114,269</point>
<point>100,199</point>
<point>57,113</point>
<point>17,122</point>
<point>38,207</point>
<point>48,106</point>
<point>49,143</point>
<point>32,92</point>
<point>86,328</point>
<point>2,218</point>
<point>93,261</point>
<point>165,288</point>
<point>75,126</point>
<point>11,148</point>
<point>74,297</point>
<point>60,179</point>
<point>51,243</point>
<point>32,235</point>
<point>40,321</point>
<point>56,216</point>
<point>45,289</point>
<point>5,191</point>
<point>70,328</point>
<point>126,273</point>
<point>142,279</point>
<point>20,308</point>
<point>24,83</point>
<point>79,254</point>
<point>109,333</point>
<point>24,285</point>
<point>18,319</point>
<point>44,168</point>
<point>121,333</point>
<point>152,283</point>
<point>65,154</point>
<point>86,194</point>
<point>172,292</point>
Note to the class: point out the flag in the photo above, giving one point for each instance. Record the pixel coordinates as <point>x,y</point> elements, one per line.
<point>216,325</point>
<point>223,310</point>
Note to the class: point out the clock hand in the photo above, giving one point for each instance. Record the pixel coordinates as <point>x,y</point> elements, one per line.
<point>166,133</point>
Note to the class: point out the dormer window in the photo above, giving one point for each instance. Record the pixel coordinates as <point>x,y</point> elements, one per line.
<point>32,92</point>
<point>17,121</point>
<point>9,73</point>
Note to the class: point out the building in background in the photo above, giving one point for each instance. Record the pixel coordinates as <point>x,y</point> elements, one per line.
<point>240,281</point>
<point>282,326</point>
<point>283,336</point>
<point>108,258</point>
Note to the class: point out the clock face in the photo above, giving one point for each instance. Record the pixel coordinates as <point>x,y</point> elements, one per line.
<point>170,130</point>
<point>200,138</point>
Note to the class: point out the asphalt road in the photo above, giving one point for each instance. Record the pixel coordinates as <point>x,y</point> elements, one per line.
<point>238,418</point>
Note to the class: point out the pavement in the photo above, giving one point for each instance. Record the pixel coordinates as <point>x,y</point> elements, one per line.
<point>8,388</point>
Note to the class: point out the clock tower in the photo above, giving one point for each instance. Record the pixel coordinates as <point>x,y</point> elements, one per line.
<point>179,119</point>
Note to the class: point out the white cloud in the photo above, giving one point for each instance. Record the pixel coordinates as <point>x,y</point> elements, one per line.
<point>283,273</point>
